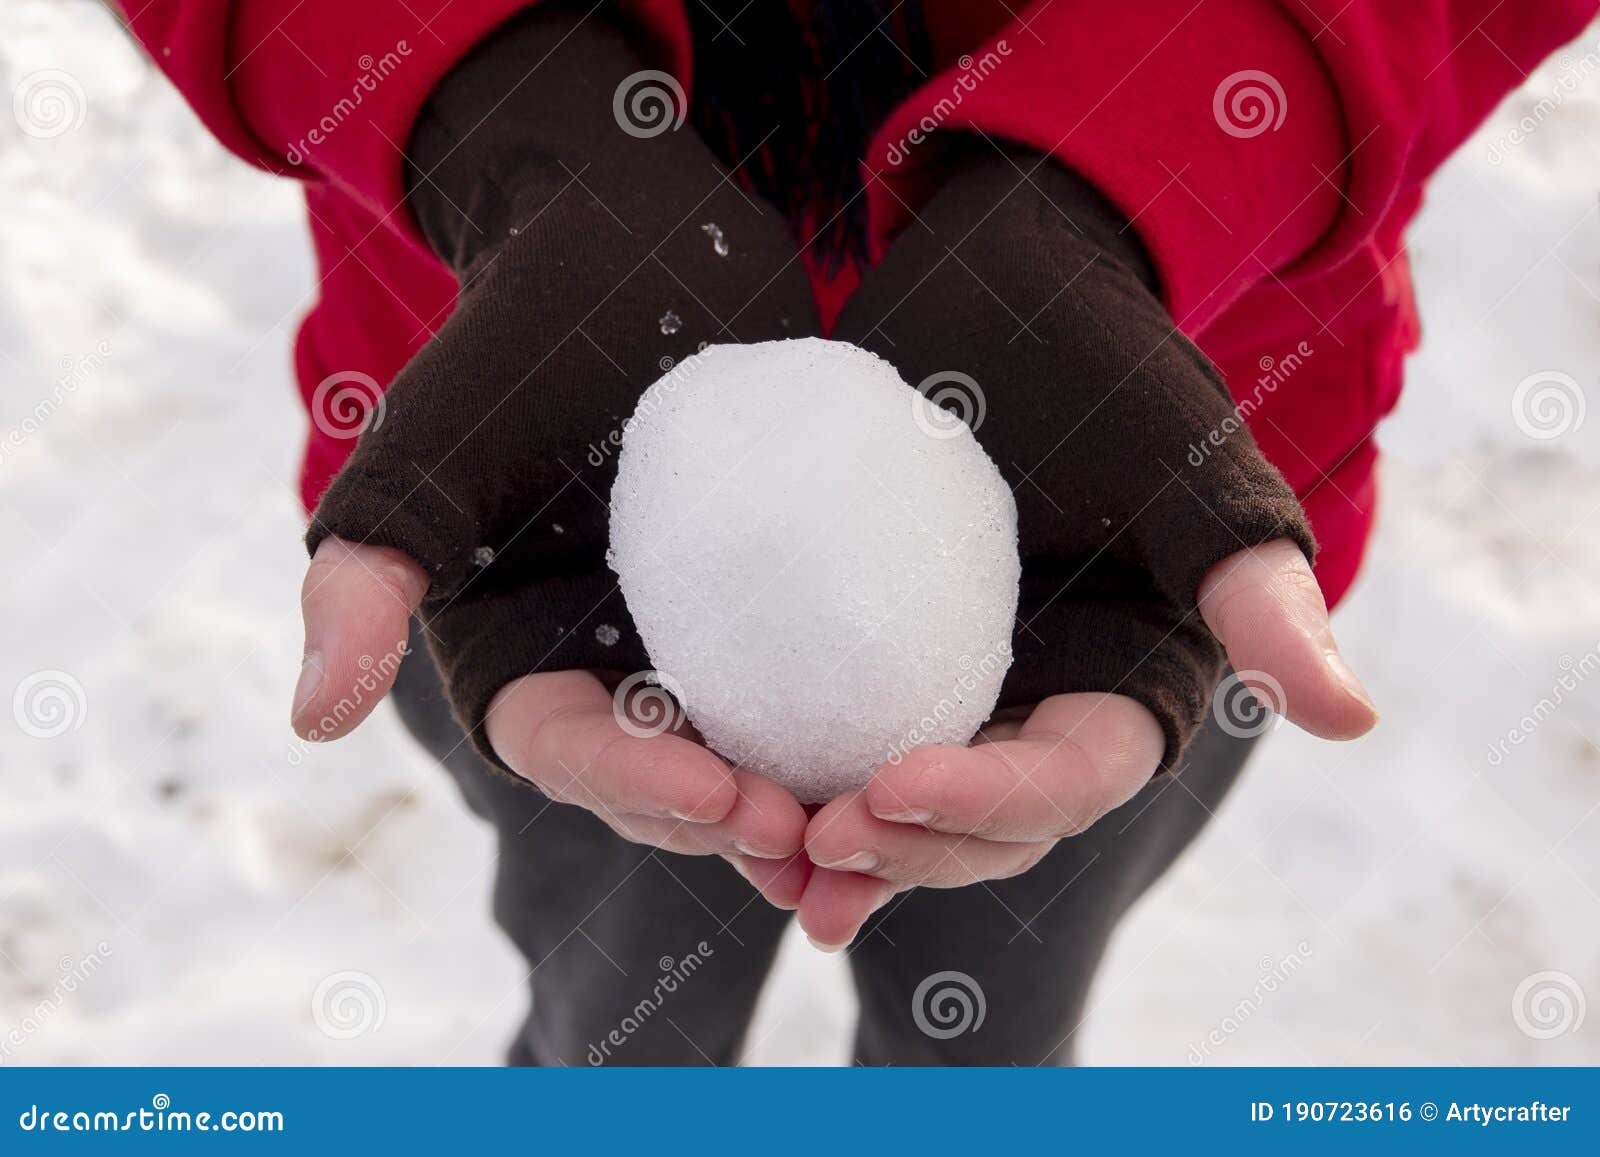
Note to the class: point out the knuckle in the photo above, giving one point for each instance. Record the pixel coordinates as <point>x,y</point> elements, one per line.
<point>397,575</point>
<point>1294,576</point>
<point>935,787</point>
<point>532,746</point>
<point>1080,784</point>
<point>987,825</point>
<point>898,870</point>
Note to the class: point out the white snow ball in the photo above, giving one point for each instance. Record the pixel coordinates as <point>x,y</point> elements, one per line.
<point>821,562</point>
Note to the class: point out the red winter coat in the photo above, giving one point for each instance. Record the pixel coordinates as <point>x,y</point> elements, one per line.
<point>1269,152</point>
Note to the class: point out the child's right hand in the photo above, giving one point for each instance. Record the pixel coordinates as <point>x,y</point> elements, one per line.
<point>562,731</point>
<point>588,266</point>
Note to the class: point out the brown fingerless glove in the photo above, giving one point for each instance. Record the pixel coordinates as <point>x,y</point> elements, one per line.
<point>593,250</point>
<point>1098,413</point>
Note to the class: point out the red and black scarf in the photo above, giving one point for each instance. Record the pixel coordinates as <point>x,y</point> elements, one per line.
<point>791,102</point>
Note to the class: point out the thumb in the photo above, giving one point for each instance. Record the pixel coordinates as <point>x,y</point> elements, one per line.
<point>357,603</point>
<point>1265,606</point>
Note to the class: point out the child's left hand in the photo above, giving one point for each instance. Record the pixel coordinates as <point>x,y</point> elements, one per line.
<point>1144,508</point>
<point>946,817</point>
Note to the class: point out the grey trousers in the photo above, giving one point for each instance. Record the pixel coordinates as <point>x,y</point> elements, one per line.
<point>644,957</point>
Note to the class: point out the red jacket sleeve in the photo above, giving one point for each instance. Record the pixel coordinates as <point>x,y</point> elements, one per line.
<point>1242,137</point>
<point>330,91</point>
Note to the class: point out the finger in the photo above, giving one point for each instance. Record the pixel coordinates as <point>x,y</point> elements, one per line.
<point>846,836</point>
<point>837,904</point>
<point>561,731</point>
<point>1074,759</point>
<point>781,882</point>
<point>766,823</point>
<point>357,603</point>
<point>1265,606</point>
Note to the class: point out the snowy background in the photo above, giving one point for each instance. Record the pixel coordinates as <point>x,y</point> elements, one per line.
<point>176,884</point>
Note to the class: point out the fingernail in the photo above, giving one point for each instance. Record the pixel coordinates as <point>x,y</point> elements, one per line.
<point>860,862</point>
<point>759,853</point>
<point>685,817</point>
<point>306,686</point>
<point>1348,680</point>
<point>910,815</point>
<point>829,948</point>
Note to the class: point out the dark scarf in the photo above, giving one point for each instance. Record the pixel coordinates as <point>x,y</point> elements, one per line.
<point>793,103</point>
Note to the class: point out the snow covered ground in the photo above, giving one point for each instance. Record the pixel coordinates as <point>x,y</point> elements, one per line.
<point>177,884</point>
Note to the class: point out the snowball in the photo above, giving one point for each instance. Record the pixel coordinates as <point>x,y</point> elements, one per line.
<point>821,561</point>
